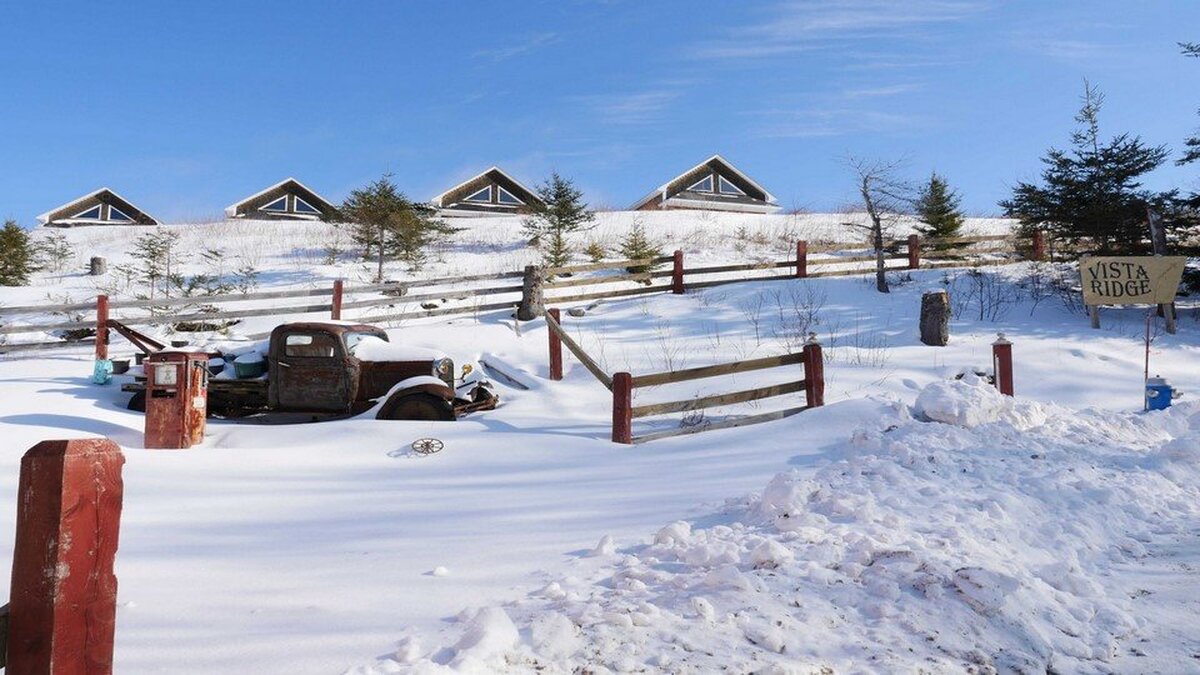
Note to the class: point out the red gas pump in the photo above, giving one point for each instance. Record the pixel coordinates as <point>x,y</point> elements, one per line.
<point>176,398</point>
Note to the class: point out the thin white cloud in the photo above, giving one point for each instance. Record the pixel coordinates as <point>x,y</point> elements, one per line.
<point>640,107</point>
<point>802,25</point>
<point>825,122</point>
<point>504,53</point>
<point>880,91</point>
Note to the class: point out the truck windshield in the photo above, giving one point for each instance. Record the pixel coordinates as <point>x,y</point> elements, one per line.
<point>355,337</point>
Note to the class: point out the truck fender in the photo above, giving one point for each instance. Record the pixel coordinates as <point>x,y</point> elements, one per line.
<point>427,384</point>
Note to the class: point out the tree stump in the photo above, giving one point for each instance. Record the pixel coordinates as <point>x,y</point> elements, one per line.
<point>935,318</point>
<point>97,266</point>
<point>532,295</point>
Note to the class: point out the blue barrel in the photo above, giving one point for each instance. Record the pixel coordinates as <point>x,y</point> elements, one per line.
<point>1158,394</point>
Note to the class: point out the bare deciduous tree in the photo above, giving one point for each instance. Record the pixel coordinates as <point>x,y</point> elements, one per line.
<point>885,199</point>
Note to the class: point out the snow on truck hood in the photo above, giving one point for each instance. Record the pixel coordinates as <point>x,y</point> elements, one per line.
<point>371,348</point>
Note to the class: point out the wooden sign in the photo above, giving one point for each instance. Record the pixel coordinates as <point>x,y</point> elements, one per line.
<point>1131,280</point>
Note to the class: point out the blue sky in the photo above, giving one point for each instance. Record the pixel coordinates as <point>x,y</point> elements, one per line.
<point>186,107</point>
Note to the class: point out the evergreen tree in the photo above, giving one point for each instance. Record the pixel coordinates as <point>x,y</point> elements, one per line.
<point>1091,192</point>
<point>16,255</point>
<point>937,208</point>
<point>386,224</point>
<point>550,225</point>
<point>1191,145</point>
<point>637,246</point>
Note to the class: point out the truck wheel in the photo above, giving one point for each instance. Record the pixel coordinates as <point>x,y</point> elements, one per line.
<point>137,402</point>
<point>417,407</point>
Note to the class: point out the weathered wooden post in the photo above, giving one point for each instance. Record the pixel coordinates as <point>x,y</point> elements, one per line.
<point>935,318</point>
<point>1039,246</point>
<point>97,266</point>
<point>622,422</point>
<point>677,274</point>
<point>101,327</point>
<point>556,362</point>
<point>914,252</point>
<point>814,372</point>
<point>335,310</point>
<point>532,294</point>
<point>63,598</point>
<point>801,259</point>
<point>1002,364</point>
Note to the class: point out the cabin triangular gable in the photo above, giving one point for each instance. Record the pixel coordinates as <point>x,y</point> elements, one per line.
<point>491,192</point>
<point>102,207</point>
<point>286,200</point>
<point>714,185</point>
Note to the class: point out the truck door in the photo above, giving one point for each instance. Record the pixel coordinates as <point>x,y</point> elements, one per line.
<point>309,372</point>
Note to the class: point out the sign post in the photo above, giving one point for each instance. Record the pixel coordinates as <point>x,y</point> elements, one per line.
<point>1129,280</point>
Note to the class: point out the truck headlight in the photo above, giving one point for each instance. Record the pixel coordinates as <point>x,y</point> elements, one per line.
<point>443,369</point>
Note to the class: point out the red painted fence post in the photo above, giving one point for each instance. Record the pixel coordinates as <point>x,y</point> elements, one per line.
<point>814,372</point>
<point>555,346</point>
<point>801,259</point>
<point>622,425</point>
<point>101,327</point>
<point>677,274</point>
<point>63,599</point>
<point>335,310</point>
<point>914,252</point>
<point>1002,365</point>
<point>1039,245</point>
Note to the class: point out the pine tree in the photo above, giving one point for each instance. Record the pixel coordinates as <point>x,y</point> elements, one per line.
<point>637,246</point>
<point>937,207</point>
<point>386,224</point>
<point>1191,145</point>
<point>16,255</point>
<point>562,214</point>
<point>1091,193</point>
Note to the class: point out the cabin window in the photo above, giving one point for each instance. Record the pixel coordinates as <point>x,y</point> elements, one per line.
<point>279,205</point>
<point>309,345</point>
<point>727,188</point>
<point>505,197</point>
<point>484,195</point>
<point>703,185</point>
<point>118,215</point>
<point>91,214</point>
<point>304,207</point>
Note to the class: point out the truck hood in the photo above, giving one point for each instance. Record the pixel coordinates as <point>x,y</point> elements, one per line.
<point>374,349</point>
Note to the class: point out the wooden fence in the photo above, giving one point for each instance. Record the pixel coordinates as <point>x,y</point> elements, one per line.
<point>623,384</point>
<point>491,292</point>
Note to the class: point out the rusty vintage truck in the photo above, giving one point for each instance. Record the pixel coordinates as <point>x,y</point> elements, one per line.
<point>343,368</point>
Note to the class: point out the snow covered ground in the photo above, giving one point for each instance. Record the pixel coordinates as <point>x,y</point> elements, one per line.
<point>914,522</point>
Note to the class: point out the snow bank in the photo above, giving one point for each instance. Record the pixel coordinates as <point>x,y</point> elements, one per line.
<point>969,533</point>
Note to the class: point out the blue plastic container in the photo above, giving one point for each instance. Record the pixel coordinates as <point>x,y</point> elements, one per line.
<point>1158,394</point>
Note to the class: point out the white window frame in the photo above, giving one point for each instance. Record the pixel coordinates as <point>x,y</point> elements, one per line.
<point>722,181</point>
<point>296,208</point>
<point>470,199</point>
<point>711,184</point>
<point>515,200</point>
<point>125,216</point>
<point>99,216</point>
<point>284,199</point>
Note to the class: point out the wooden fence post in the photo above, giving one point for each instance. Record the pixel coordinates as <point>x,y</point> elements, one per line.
<point>63,599</point>
<point>677,274</point>
<point>801,259</point>
<point>532,294</point>
<point>622,422</point>
<point>101,327</point>
<point>814,372</point>
<point>335,311</point>
<point>914,252</point>
<point>1002,366</point>
<point>1039,245</point>
<point>555,346</point>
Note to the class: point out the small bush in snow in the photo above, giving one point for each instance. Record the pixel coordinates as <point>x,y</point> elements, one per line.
<point>550,225</point>
<point>16,255</point>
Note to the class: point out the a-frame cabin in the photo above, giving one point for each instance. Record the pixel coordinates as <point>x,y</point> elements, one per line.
<point>102,207</point>
<point>288,199</point>
<point>492,192</point>
<point>712,185</point>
